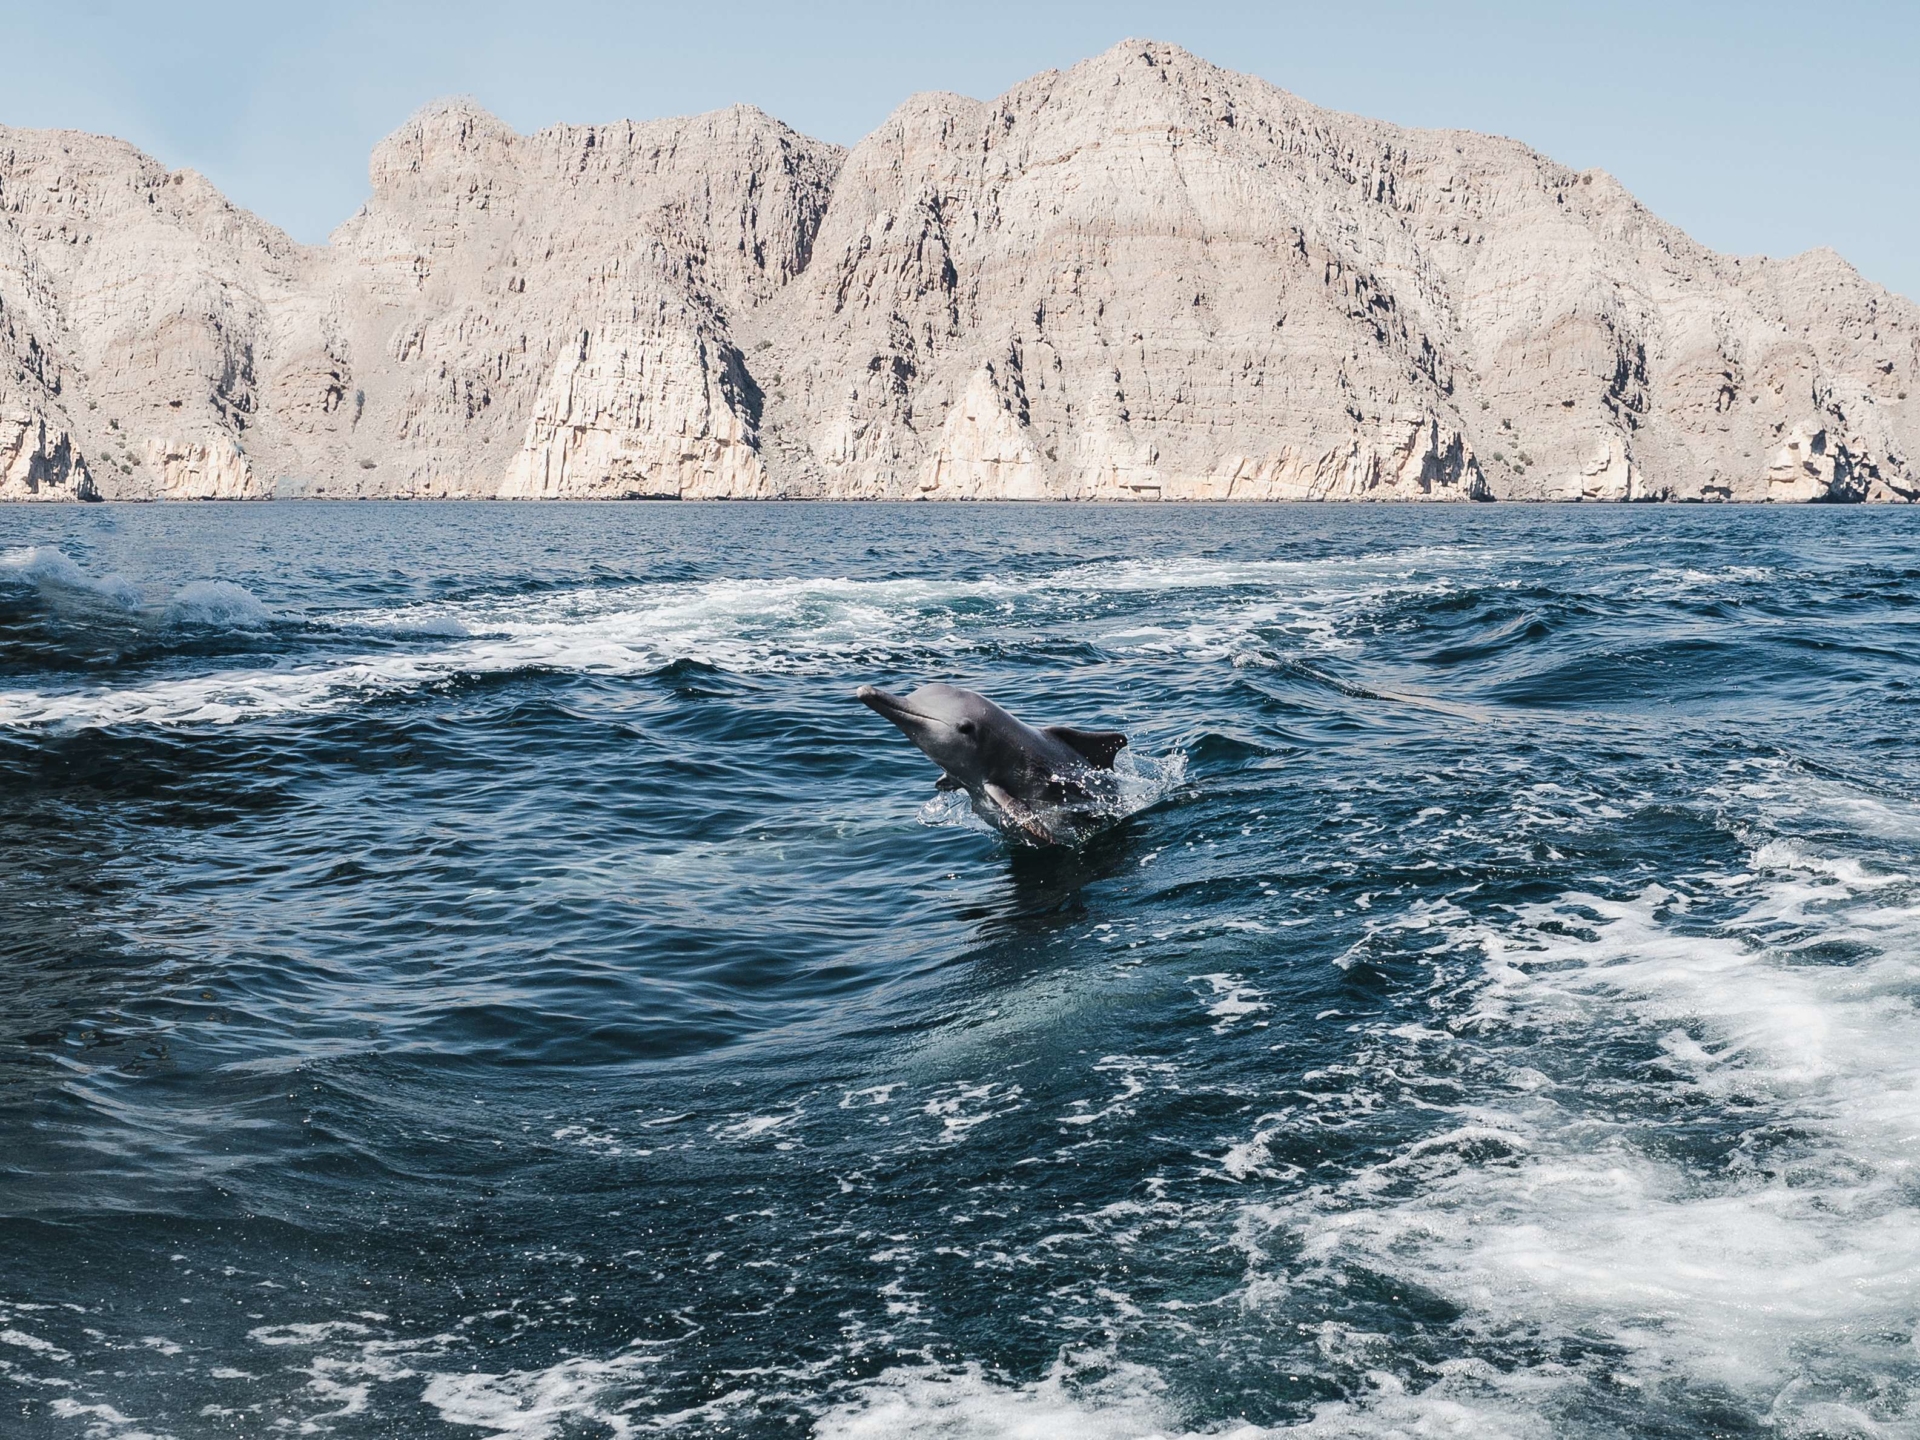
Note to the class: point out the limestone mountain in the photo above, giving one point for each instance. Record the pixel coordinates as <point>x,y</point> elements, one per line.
<point>1144,277</point>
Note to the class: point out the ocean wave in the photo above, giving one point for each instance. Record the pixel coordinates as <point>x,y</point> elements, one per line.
<point>73,593</point>
<point>222,698</point>
<point>60,579</point>
<point>1779,1243</point>
<point>779,626</point>
<point>217,604</point>
<point>1088,1393</point>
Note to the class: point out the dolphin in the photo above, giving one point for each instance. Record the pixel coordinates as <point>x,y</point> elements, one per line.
<point>1047,786</point>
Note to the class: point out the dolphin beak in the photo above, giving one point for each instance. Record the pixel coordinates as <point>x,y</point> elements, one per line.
<point>892,707</point>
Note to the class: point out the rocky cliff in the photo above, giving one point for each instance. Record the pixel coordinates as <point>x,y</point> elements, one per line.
<point>1142,278</point>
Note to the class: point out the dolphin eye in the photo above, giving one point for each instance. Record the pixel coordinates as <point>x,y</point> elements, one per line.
<point>965,727</point>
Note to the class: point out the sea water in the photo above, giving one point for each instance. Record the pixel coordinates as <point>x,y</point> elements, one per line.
<point>476,970</point>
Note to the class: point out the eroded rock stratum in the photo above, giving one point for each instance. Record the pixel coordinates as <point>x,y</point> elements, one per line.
<point>1141,278</point>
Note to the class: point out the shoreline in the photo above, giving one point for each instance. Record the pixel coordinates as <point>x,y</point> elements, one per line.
<point>1385,502</point>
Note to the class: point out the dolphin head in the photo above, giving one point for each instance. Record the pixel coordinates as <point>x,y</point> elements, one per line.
<point>1043,785</point>
<point>961,731</point>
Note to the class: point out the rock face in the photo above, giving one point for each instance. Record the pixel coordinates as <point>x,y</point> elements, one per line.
<point>36,464</point>
<point>215,469</point>
<point>1142,278</point>
<point>639,413</point>
<point>553,316</point>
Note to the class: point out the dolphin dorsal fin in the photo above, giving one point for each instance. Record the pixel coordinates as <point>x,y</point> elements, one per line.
<point>1098,747</point>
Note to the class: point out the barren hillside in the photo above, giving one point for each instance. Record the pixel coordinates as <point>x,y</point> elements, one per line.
<point>1141,278</point>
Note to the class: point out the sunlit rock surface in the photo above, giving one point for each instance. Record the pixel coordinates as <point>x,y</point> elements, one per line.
<point>1142,278</point>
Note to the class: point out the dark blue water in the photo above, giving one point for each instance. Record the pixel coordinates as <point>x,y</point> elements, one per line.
<point>475,970</point>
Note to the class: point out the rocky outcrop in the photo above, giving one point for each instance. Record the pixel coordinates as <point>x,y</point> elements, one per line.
<point>215,469</point>
<point>633,415</point>
<point>986,449</point>
<point>1142,278</point>
<point>40,464</point>
<point>1424,460</point>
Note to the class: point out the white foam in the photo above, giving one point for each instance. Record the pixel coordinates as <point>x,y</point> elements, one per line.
<point>961,1108</point>
<point>223,697</point>
<point>1672,582</point>
<point>1136,1077</point>
<point>1129,1402</point>
<point>1559,1210</point>
<point>57,575</point>
<point>217,603</point>
<point>538,1404</point>
<point>103,1421</point>
<point>965,1405</point>
<point>1232,1000</point>
<point>24,1341</point>
<point>747,626</point>
<point>1144,780</point>
<point>307,1332</point>
<point>753,1127</point>
<point>350,1368</point>
<point>1189,572</point>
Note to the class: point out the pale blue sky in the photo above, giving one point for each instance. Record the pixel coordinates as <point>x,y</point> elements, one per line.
<point>1761,127</point>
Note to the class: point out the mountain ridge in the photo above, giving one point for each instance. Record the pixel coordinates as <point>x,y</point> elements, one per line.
<point>1143,277</point>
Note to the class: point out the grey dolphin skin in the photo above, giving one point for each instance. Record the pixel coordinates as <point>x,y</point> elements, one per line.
<point>1047,786</point>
